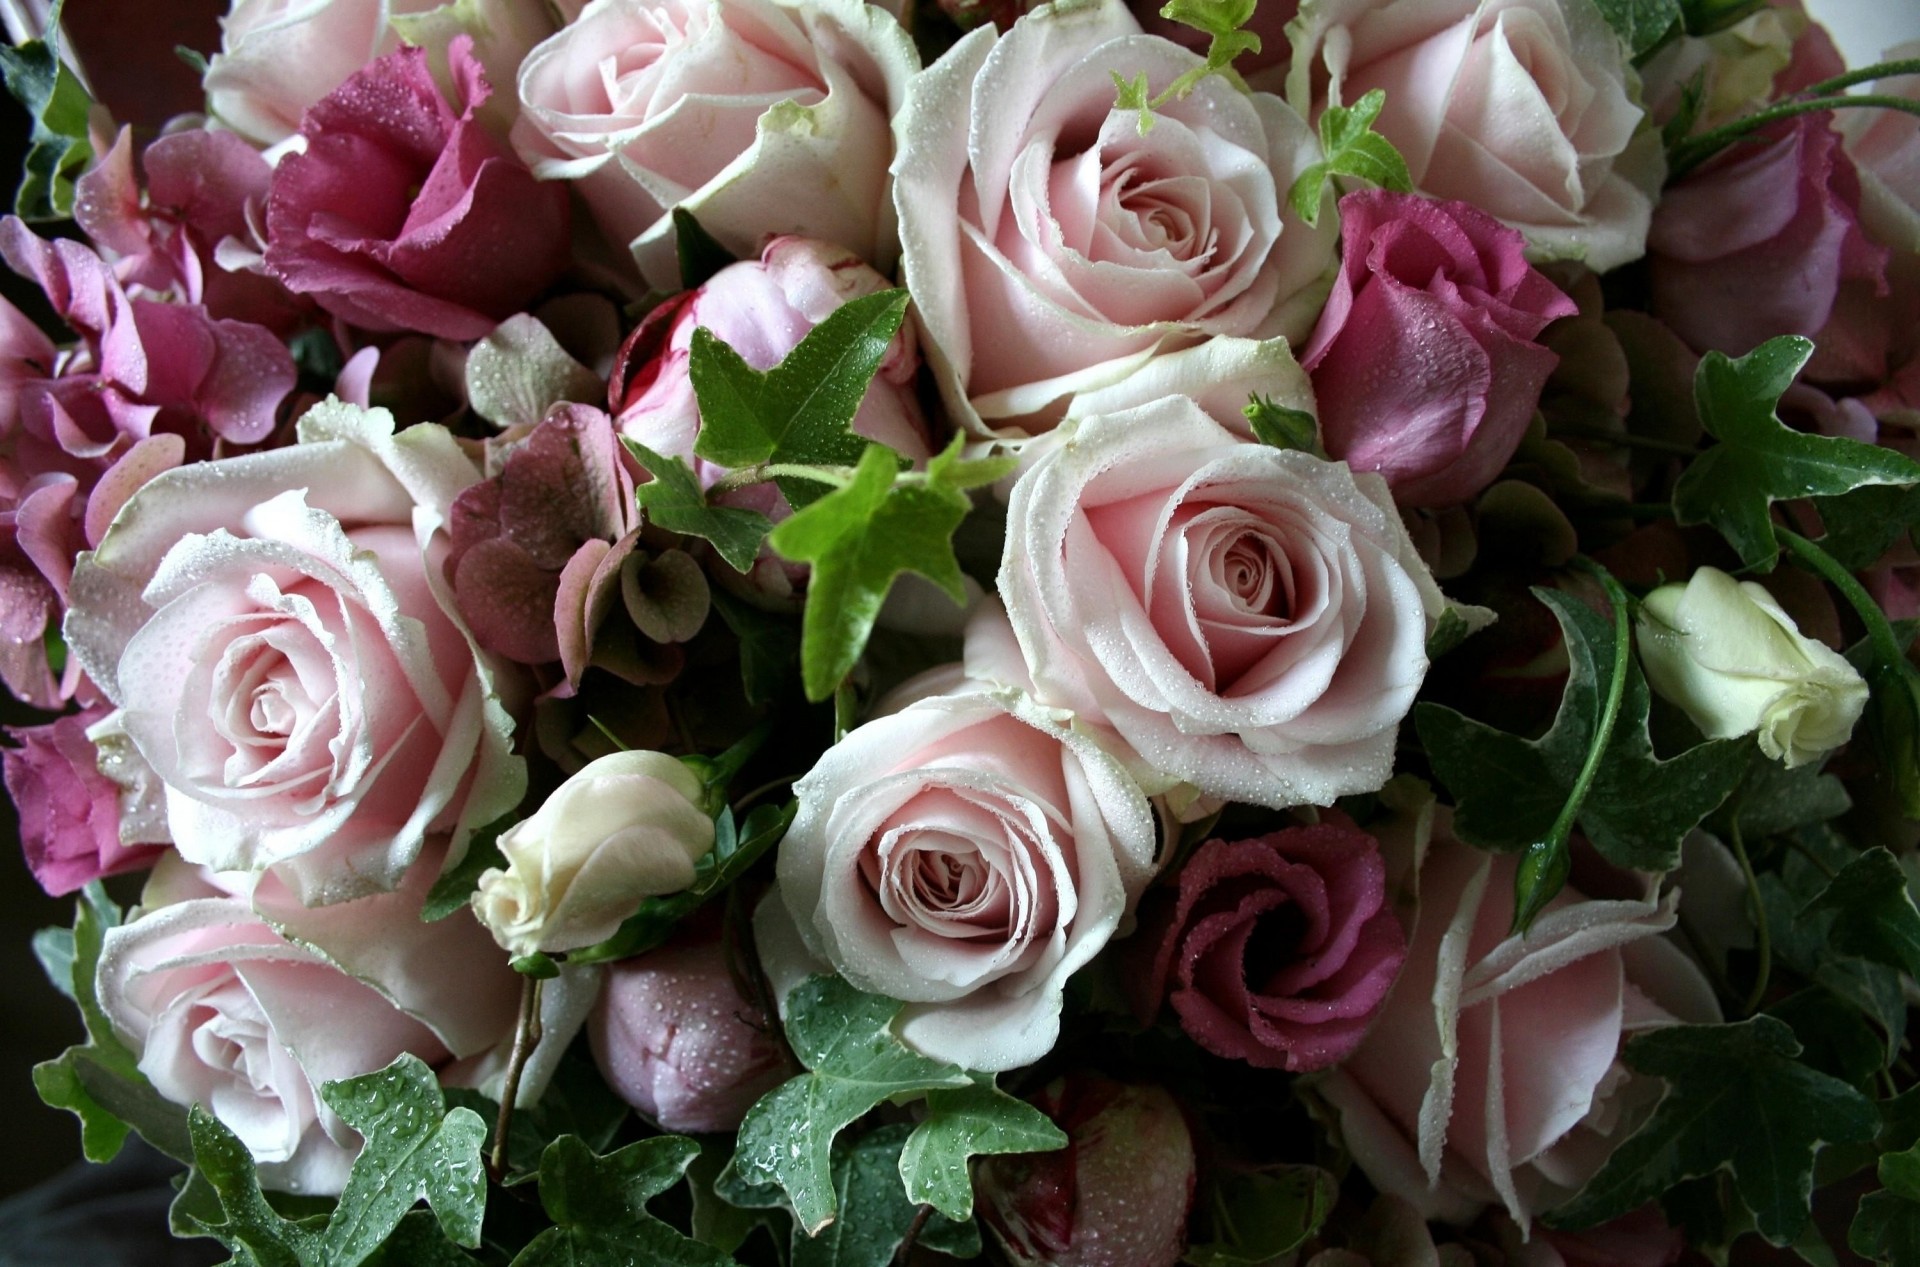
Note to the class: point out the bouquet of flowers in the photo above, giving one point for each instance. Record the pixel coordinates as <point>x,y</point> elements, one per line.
<point>797,631</point>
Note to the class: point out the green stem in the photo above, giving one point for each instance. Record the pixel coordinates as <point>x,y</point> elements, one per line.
<point>1600,435</point>
<point>1696,150</point>
<point>761,472</point>
<point>1886,647</point>
<point>1864,74</point>
<point>1762,935</point>
<point>526,1037</point>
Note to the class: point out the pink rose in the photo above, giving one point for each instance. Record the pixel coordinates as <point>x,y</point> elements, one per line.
<point>1247,619</point>
<point>69,811</point>
<point>760,117</point>
<point>675,1038</point>
<point>1492,1075</point>
<point>405,213</point>
<point>1520,107</point>
<point>963,855</point>
<point>1280,948</point>
<point>1116,1196</point>
<point>1424,363</point>
<point>1759,241</point>
<point>269,627</point>
<point>1885,146</point>
<point>1082,248</point>
<point>246,1003</point>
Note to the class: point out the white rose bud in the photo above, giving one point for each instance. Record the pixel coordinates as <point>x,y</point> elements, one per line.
<point>1726,653</point>
<point>625,828</point>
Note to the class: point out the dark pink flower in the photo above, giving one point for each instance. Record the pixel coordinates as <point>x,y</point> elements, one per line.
<point>675,1038</point>
<point>1759,241</point>
<point>404,213</point>
<point>69,811</point>
<point>1279,949</point>
<point>1424,362</point>
<point>1116,1196</point>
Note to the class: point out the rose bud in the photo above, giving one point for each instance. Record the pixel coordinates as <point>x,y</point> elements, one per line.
<point>1735,662</point>
<point>1116,1196</point>
<point>1425,363</point>
<point>70,824</point>
<point>627,827</point>
<point>675,1038</point>
<point>1280,948</point>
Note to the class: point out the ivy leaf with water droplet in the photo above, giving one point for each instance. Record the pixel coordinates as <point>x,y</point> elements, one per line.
<point>599,1207</point>
<point>58,107</point>
<point>256,1233</point>
<point>674,500</point>
<point>855,1063</point>
<point>962,1124</point>
<point>1354,149</point>
<point>1761,460</point>
<point>875,1213</point>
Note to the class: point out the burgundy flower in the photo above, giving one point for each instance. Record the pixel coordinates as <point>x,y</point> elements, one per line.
<point>1279,949</point>
<point>69,811</point>
<point>1424,362</point>
<point>407,214</point>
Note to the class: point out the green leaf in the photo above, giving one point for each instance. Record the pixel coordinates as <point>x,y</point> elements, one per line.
<point>1864,524</point>
<point>859,539</point>
<point>719,1222</point>
<point>1876,917</point>
<point>419,1241</point>
<point>1281,427</point>
<point>800,411</point>
<point>1886,1229</point>
<point>1509,790</point>
<point>875,1212</point>
<point>1134,94</point>
<point>251,1228</point>
<point>1774,799</point>
<point>1640,24</point>
<point>53,947</point>
<point>1736,1099</point>
<point>1804,941</point>
<point>845,1039</point>
<point>57,106</point>
<point>416,1149</point>
<point>453,891</point>
<point>599,1207</point>
<point>674,500</point>
<point>699,254</point>
<point>1259,1215</point>
<point>962,1124</point>
<point>1836,1036</point>
<point>769,646</point>
<point>1760,460</point>
<point>1354,149</point>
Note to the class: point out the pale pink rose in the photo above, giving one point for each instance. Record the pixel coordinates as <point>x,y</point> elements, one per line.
<point>760,117</point>
<point>1492,1076</point>
<point>1424,363</point>
<point>964,855</point>
<point>246,1003</point>
<point>1082,248</point>
<point>1759,241</point>
<point>1885,145</point>
<point>1246,619</point>
<point>69,811</point>
<point>674,1036</point>
<point>1520,107</point>
<point>1116,1196</point>
<point>270,628</point>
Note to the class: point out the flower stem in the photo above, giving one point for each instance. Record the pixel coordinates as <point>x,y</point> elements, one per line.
<point>1886,646</point>
<point>1863,74</point>
<point>1695,150</point>
<point>1762,935</point>
<point>526,1037</point>
<point>761,472</point>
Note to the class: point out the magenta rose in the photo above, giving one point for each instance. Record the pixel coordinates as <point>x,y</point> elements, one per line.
<point>69,811</point>
<point>675,1038</point>
<point>1424,363</point>
<point>1759,241</point>
<point>1116,1196</point>
<point>405,213</point>
<point>1279,949</point>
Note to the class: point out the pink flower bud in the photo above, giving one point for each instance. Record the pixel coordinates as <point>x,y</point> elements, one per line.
<point>69,811</point>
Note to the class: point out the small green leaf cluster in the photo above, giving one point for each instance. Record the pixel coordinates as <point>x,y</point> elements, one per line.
<point>59,149</point>
<point>1352,148</point>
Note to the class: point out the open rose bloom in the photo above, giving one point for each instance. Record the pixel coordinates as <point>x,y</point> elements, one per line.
<point>1088,633</point>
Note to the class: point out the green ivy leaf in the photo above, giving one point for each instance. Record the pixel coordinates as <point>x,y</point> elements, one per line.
<point>859,539</point>
<point>875,1212</point>
<point>1510,790</point>
<point>1640,24</point>
<point>1886,1229</point>
<point>845,1039</point>
<point>1736,1099</point>
<point>674,500</point>
<point>1774,799</point>
<point>1352,148</point>
<point>700,255</point>
<point>419,1241</point>
<point>599,1207</point>
<point>769,646</point>
<point>1760,460</point>
<point>962,1124</point>
<point>719,1222</point>
<point>1836,1037</point>
<point>251,1228</point>
<point>1875,915</point>
<point>416,1149</point>
<point>1863,525</point>
<point>1259,1215</point>
<point>800,411</point>
<point>59,147</point>
<point>453,891</point>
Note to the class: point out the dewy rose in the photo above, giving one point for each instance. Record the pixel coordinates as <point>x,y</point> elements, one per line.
<point>759,117</point>
<point>1725,652</point>
<point>625,828</point>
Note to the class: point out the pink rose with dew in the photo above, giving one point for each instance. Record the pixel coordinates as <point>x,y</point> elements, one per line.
<point>405,213</point>
<point>1116,1196</point>
<point>1278,950</point>
<point>1424,364</point>
<point>70,824</point>
<point>674,1036</point>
